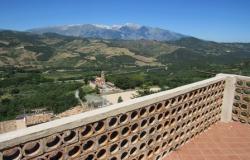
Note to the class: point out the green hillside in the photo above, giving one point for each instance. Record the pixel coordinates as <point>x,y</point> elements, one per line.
<point>38,71</point>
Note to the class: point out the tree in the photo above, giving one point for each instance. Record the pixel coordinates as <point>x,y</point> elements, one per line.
<point>120,99</point>
<point>97,91</point>
<point>82,94</point>
<point>1,93</point>
<point>5,101</point>
<point>86,80</point>
<point>143,91</point>
<point>15,91</point>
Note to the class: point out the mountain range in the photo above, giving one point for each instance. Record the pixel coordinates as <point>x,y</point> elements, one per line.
<point>127,31</point>
<point>52,50</point>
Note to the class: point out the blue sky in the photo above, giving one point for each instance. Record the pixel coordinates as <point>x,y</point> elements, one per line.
<point>218,20</point>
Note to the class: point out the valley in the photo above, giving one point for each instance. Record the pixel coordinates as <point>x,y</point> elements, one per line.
<point>45,70</point>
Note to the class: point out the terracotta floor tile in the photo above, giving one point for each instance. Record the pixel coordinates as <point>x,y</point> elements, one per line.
<point>222,141</point>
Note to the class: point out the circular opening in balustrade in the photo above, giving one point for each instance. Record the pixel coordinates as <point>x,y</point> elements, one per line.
<point>179,109</point>
<point>235,111</point>
<point>248,84</point>
<point>123,118</point>
<point>134,127</point>
<point>143,112</point>
<point>172,121</point>
<point>103,140</point>
<point>160,117</point>
<point>141,157</point>
<point>164,144</point>
<point>159,127</point>
<point>176,146</point>
<point>165,135</point>
<point>184,115</point>
<point>114,136</point>
<point>177,128</point>
<point>150,154</point>
<point>236,104</point>
<point>113,158</point>
<point>31,148</point>
<point>134,115</point>
<point>124,155</point>
<point>166,124</point>
<point>152,109</point>
<point>185,106</point>
<point>57,156</point>
<point>166,114</point>
<point>173,111</point>
<point>150,142</point>
<point>158,138</point>
<point>237,97</point>
<point>89,145</point>
<point>151,120</point>
<point>69,136</point>
<point>152,130</point>
<point>74,151</point>
<point>125,131</point>
<point>134,139</point>
<point>173,101</point>
<point>244,114</point>
<point>12,154</point>
<point>124,143</point>
<point>133,151</point>
<point>176,138</point>
<point>170,141</point>
<point>53,141</point>
<point>159,107</point>
<point>172,131</point>
<point>99,126</point>
<point>157,149</point>
<point>143,146</point>
<point>247,99</point>
<point>240,83</point>
<point>101,154</point>
<point>167,103</point>
<point>87,131</point>
<point>178,119</point>
<point>143,123</point>
<point>113,122</point>
<point>114,148</point>
<point>143,134</point>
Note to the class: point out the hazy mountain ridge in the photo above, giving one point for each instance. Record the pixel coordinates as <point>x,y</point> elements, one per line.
<point>125,32</point>
<point>25,49</point>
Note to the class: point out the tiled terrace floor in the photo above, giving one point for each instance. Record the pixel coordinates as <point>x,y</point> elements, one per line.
<point>223,141</point>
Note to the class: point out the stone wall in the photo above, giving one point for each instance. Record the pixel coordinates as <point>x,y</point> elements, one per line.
<point>140,129</point>
<point>7,126</point>
<point>38,118</point>
<point>241,105</point>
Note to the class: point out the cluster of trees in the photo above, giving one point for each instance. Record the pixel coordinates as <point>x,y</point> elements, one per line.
<point>21,79</point>
<point>28,90</point>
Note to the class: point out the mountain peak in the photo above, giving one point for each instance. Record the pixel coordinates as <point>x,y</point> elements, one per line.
<point>127,31</point>
<point>118,26</point>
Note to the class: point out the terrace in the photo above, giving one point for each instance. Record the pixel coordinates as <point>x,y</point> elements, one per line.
<point>203,120</point>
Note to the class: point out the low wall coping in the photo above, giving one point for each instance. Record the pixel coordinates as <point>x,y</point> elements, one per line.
<point>46,129</point>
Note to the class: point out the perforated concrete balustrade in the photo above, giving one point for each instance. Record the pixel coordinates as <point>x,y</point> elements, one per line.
<point>241,105</point>
<point>145,128</point>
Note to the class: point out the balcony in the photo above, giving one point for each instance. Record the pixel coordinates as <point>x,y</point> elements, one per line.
<point>174,124</point>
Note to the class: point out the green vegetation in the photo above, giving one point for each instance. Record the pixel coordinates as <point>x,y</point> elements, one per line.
<point>26,91</point>
<point>44,52</point>
<point>120,99</point>
<point>84,90</point>
<point>49,68</point>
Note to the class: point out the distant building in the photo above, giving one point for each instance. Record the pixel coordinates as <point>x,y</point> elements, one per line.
<point>100,81</point>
